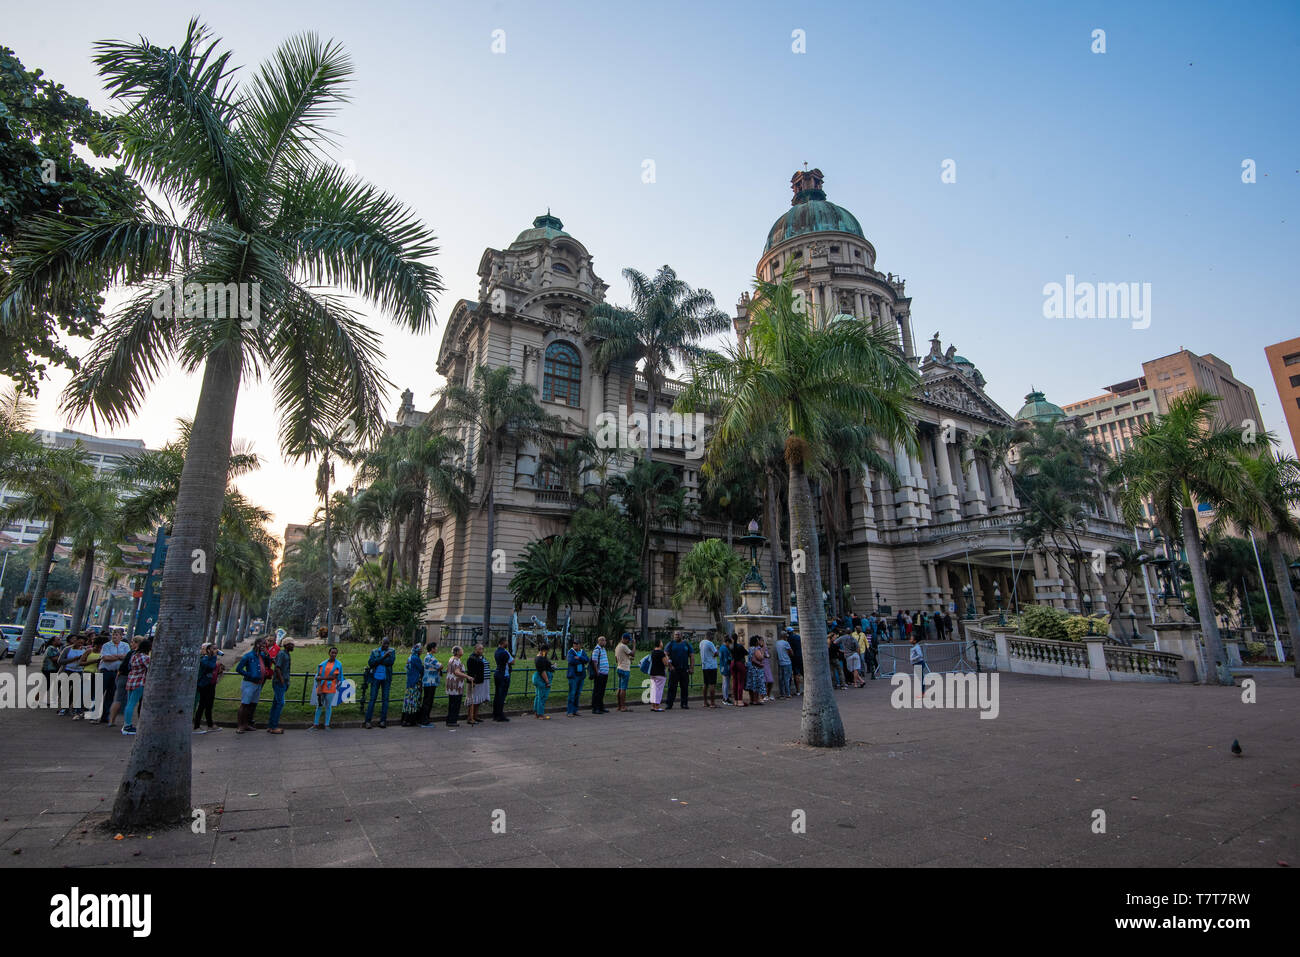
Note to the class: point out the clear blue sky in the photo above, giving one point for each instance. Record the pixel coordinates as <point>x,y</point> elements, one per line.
<point>1115,167</point>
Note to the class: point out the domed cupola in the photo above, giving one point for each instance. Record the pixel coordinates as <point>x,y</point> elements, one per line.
<point>544,228</point>
<point>1038,409</point>
<point>810,212</point>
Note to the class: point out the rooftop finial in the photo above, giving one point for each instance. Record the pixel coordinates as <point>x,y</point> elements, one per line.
<point>807,184</point>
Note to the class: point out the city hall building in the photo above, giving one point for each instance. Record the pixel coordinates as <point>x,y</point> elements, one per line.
<point>948,520</point>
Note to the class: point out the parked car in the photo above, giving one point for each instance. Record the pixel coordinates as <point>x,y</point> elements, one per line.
<point>11,637</point>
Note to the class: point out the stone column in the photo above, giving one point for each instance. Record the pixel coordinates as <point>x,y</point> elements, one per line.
<point>975,502</point>
<point>906,504</point>
<point>946,502</point>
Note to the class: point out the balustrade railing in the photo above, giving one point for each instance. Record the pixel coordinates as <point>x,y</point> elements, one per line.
<point>1067,654</point>
<point>1141,662</point>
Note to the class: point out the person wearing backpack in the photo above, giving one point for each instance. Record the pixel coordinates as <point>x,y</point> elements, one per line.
<point>576,674</point>
<point>380,667</point>
<point>252,668</point>
<point>542,670</point>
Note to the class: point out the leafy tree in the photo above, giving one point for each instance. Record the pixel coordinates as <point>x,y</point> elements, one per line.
<point>709,573</point>
<point>42,175</point>
<point>247,197</point>
<point>399,610</point>
<point>606,542</point>
<point>288,606</point>
<point>809,376</point>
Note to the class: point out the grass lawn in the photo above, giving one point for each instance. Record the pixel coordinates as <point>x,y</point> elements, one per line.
<point>299,706</point>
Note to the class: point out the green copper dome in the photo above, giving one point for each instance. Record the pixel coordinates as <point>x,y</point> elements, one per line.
<point>544,227</point>
<point>809,212</point>
<point>1038,409</point>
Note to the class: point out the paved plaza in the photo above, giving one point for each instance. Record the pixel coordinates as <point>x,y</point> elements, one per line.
<point>713,788</point>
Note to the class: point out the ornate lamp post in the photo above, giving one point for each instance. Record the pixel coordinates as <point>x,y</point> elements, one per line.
<point>997,597</point>
<point>969,594</point>
<point>755,541</point>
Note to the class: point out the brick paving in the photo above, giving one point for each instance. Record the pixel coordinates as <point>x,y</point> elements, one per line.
<point>713,788</point>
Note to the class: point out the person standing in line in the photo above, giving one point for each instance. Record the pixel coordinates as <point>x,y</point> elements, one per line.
<point>680,665</point>
<point>206,691</point>
<point>542,672</point>
<point>600,675</point>
<point>833,650</point>
<point>658,675</point>
<point>70,661</point>
<point>852,657</point>
<point>50,665</point>
<point>135,684</point>
<point>279,685</point>
<point>724,666</point>
<point>623,663</point>
<point>739,671</point>
<point>576,673</point>
<point>784,667</point>
<point>413,696</point>
<point>709,669</point>
<point>329,674</point>
<point>252,668</point>
<point>112,654</point>
<point>867,651</point>
<point>432,675</point>
<point>501,678</point>
<point>481,689</point>
<point>456,680</point>
<point>757,680</point>
<point>769,675</point>
<point>796,659</point>
<point>380,668</point>
<point>919,665</point>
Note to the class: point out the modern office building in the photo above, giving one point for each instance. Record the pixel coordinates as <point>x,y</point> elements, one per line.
<point>1284,363</point>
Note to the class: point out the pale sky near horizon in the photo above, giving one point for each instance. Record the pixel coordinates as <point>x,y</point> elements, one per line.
<point>1123,166</point>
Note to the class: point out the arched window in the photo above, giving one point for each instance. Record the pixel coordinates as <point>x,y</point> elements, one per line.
<point>435,571</point>
<point>562,378</point>
<point>560,267</point>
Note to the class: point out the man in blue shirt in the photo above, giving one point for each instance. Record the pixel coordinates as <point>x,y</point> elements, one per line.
<point>709,668</point>
<point>600,662</point>
<point>577,673</point>
<point>380,666</point>
<point>680,659</point>
<point>785,667</point>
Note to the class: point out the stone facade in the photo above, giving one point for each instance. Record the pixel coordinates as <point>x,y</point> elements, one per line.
<point>913,543</point>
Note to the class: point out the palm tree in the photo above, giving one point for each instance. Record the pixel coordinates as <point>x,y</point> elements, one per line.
<point>647,492</point>
<point>551,572</point>
<point>94,523</point>
<point>1175,462</point>
<point>498,414</point>
<point>667,320</point>
<point>709,573</point>
<point>1276,483</point>
<point>49,482</point>
<point>809,376</point>
<point>260,208</point>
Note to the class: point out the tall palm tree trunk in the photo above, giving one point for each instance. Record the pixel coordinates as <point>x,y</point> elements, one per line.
<point>1215,659</point>
<point>727,598</point>
<point>329,559</point>
<point>219,605</point>
<point>1282,573</point>
<point>821,725</point>
<point>83,591</point>
<point>491,547</point>
<point>155,788</point>
<point>232,618</point>
<point>24,656</point>
<point>772,506</point>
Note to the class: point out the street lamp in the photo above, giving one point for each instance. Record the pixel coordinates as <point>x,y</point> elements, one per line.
<point>755,541</point>
<point>969,594</point>
<point>997,597</point>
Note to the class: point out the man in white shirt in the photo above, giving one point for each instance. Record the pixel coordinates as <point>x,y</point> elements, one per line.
<point>709,665</point>
<point>113,653</point>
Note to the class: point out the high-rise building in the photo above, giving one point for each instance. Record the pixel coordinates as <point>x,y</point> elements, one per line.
<point>104,455</point>
<point>1284,363</point>
<point>1171,375</point>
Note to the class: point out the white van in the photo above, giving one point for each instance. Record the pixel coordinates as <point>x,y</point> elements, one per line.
<point>53,623</point>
